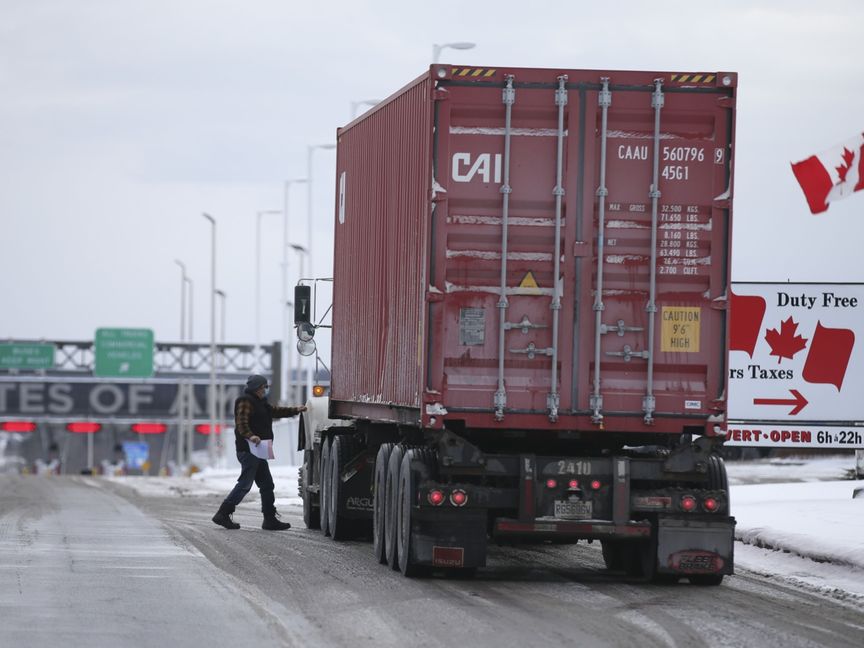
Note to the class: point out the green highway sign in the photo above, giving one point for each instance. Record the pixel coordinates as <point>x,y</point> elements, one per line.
<point>123,353</point>
<point>25,355</point>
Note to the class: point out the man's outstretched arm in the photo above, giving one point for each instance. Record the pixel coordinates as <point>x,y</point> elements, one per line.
<point>287,412</point>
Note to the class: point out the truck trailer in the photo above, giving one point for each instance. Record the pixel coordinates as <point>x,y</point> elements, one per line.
<point>529,321</point>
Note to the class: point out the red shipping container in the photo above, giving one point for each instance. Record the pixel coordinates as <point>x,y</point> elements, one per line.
<point>472,179</point>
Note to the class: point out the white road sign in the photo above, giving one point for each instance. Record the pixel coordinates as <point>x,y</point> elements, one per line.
<point>796,365</point>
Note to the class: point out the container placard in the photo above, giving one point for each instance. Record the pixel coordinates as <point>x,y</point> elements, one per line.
<point>680,328</point>
<point>472,326</point>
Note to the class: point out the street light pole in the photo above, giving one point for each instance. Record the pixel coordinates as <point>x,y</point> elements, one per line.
<point>183,280</point>
<point>258,273</point>
<point>191,335</point>
<point>222,408</point>
<point>286,349</point>
<point>436,49</point>
<point>211,442</point>
<point>182,401</point>
<point>301,254</point>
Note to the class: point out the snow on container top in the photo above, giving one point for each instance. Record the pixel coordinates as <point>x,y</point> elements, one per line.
<point>472,208</point>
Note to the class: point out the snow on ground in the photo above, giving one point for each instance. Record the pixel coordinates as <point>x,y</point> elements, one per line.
<point>797,519</point>
<point>216,482</point>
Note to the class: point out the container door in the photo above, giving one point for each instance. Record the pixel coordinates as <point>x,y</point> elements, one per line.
<point>500,233</point>
<point>657,339</point>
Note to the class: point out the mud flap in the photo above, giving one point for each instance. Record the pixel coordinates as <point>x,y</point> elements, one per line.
<point>448,539</point>
<point>695,546</point>
<point>357,479</point>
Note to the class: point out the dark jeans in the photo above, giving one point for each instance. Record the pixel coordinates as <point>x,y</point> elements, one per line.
<point>253,469</point>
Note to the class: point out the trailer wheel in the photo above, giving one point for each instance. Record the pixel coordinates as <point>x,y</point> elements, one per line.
<point>324,490</point>
<point>311,513</point>
<point>646,562</point>
<point>379,503</point>
<point>717,477</point>
<point>407,498</point>
<point>343,449</point>
<point>631,559</point>
<point>613,555</point>
<point>391,505</point>
<point>417,464</point>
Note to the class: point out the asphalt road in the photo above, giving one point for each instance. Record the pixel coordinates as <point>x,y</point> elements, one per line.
<point>92,563</point>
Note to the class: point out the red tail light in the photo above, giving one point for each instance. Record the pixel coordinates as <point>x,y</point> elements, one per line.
<point>83,427</point>
<point>710,504</point>
<point>17,426</point>
<point>688,503</point>
<point>574,484</point>
<point>149,428</point>
<point>436,497</point>
<point>459,497</point>
<point>595,484</point>
<point>551,483</point>
<point>204,428</point>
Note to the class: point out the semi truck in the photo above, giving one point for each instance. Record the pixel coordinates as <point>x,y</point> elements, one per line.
<point>529,321</point>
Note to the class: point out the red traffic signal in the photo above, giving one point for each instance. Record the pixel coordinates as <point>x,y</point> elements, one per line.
<point>83,427</point>
<point>17,426</point>
<point>149,428</point>
<point>204,428</point>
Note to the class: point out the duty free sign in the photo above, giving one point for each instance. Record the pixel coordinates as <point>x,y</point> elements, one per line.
<point>796,365</point>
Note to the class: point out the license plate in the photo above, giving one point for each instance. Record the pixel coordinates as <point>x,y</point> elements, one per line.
<point>573,510</point>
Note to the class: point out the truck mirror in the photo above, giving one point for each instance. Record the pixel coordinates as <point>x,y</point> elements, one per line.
<point>305,331</point>
<point>306,347</point>
<point>302,304</point>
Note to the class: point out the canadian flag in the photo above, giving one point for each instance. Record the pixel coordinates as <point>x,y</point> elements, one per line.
<point>832,174</point>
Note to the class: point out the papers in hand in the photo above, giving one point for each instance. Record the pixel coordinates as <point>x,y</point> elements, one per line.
<point>263,450</point>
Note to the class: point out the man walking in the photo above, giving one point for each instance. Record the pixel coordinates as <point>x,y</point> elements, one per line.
<point>253,422</point>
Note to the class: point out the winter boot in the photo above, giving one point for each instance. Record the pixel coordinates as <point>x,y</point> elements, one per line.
<point>223,517</point>
<point>273,523</point>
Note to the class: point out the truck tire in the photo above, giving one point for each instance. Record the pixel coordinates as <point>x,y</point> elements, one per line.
<point>648,558</point>
<point>717,477</point>
<point>311,513</point>
<point>717,480</point>
<point>343,449</point>
<point>379,504</point>
<point>408,477</point>
<point>324,474</point>
<point>391,505</point>
<point>613,555</point>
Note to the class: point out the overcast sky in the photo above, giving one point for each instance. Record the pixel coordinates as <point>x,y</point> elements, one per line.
<point>121,121</point>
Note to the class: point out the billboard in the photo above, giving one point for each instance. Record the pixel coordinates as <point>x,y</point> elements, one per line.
<point>796,365</point>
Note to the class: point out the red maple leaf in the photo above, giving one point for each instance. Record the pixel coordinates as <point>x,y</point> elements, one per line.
<point>843,169</point>
<point>785,344</point>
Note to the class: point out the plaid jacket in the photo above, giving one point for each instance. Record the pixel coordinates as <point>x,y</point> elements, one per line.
<point>254,416</point>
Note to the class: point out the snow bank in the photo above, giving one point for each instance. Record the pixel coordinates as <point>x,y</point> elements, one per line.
<point>817,520</point>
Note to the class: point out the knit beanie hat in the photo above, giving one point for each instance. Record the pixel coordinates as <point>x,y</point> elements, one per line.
<point>255,382</point>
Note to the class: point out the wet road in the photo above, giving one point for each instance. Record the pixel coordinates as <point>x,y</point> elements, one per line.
<point>84,560</point>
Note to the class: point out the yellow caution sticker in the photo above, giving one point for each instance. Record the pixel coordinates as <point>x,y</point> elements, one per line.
<point>680,328</point>
<point>529,282</point>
